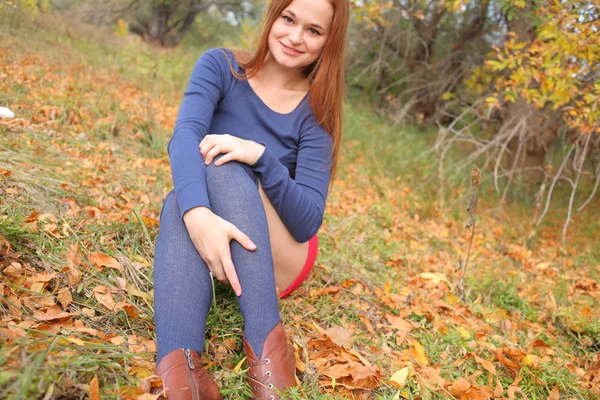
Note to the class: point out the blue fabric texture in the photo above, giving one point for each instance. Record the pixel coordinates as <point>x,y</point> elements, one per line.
<point>182,283</point>
<point>295,167</point>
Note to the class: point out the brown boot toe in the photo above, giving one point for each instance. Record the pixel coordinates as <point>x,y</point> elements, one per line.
<point>275,370</point>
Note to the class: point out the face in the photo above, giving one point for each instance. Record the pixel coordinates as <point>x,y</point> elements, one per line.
<point>299,34</point>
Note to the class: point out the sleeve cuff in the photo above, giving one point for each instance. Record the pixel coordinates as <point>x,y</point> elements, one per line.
<point>190,196</point>
<point>269,166</point>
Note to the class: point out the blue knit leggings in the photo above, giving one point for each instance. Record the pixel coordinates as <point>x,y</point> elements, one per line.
<point>182,283</point>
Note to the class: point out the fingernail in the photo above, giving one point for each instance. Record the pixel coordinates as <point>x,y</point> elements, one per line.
<point>238,293</point>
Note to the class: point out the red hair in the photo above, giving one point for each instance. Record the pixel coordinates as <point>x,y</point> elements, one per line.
<point>325,75</point>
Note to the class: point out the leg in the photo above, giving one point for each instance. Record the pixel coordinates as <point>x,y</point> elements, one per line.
<point>233,195</point>
<point>289,256</point>
<point>182,285</point>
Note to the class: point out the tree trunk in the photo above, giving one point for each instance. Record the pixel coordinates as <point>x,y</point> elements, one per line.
<point>539,128</point>
<point>165,23</point>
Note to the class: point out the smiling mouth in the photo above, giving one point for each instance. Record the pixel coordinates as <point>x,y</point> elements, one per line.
<point>291,49</point>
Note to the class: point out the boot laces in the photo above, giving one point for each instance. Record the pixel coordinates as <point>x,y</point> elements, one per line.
<point>267,375</point>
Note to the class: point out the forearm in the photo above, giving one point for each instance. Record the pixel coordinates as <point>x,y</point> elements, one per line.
<point>299,206</point>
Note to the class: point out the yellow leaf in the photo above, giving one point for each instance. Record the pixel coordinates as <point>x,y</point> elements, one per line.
<point>136,292</point>
<point>239,365</point>
<point>419,353</point>
<point>465,334</point>
<point>436,277</point>
<point>399,377</point>
<point>76,341</point>
<point>447,96</point>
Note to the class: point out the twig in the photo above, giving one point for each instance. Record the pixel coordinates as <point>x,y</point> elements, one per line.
<point>579,162</point>
<point>475,180</point>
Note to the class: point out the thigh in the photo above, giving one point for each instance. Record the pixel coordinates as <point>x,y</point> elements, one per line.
<point>289,256</point>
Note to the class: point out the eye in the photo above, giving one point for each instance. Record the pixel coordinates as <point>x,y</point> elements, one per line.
<point>314,31</point>
<point>287,19</point>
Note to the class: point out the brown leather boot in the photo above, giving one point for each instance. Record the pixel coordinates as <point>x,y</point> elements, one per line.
<point>276,369</point>
<point>184,377</point>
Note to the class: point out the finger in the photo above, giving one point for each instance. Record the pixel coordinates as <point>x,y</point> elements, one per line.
<point>232,275</point>
<point>205,148</point>
<point>212,153</point>
<point>243,239</point>
<point>219,273</point>
<point>226,158</point>
<point>206,141</point>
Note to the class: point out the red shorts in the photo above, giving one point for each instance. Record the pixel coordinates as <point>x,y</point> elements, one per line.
<point>313,250</point>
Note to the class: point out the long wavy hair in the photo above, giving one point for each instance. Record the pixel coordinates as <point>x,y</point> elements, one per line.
<point>325,75</point>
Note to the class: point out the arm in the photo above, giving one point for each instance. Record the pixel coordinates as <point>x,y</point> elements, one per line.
<point>300,203</point>
<point>204,90</point>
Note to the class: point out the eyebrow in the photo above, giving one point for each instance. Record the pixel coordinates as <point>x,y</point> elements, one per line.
<point>294,15</point>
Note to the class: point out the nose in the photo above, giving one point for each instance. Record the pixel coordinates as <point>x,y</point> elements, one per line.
<point>296,36</point>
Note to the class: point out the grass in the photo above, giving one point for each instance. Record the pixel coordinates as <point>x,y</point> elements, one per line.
<point>384,230</point>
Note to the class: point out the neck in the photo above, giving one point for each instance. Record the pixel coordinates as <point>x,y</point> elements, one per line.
<point>284,78</point>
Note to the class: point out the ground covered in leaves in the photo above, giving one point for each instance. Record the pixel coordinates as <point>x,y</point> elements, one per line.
<point>83,173</point>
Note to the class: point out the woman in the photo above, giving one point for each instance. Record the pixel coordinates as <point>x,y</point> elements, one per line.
<point>252,156</point>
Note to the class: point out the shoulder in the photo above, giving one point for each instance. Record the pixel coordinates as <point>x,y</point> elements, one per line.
<point>310,125</point>
<point>313,131</point>
<point>218,57</point>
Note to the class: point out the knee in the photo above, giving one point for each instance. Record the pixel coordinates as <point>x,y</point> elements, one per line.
<point>169,205</point>
<point>227,172</point>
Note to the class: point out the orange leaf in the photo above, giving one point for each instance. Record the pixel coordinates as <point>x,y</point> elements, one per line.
<point>554,394</point>
<point>95,388</point>
<point>367,323</point>
<point>102,260</point>
<point>103,296</point>
<point>459,387</point>
<point>131,311</point>
<point>364,377</point>
<point>340,336</point>
<point>51,314</point>
<point>399,323</point>
<point>487,365</point>
<point>64,297</point>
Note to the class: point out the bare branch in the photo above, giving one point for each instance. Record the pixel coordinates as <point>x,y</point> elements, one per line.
<point>580,159</point>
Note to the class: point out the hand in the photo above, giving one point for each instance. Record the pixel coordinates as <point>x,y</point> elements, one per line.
<point>211,235</point>
<point>235,148</point>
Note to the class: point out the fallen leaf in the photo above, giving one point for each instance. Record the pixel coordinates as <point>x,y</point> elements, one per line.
<point>459,387</point>
<point>487,365</point>
<point>95,388</point>
<point>399,323</point>
<point>418,353</point>
<point>100,260</point>
<point>435,277</point>
<point>340,336</point>
<point>399,377</point>
<point>64,297</point>
<point>104,297</point>
<point>13,270</point>
<point>52,313</point>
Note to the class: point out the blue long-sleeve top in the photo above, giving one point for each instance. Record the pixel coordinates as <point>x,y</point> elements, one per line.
<point>295,167</point>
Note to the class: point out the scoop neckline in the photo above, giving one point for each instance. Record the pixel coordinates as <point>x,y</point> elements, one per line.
<point>269,108</point>
<point>253,92</point>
